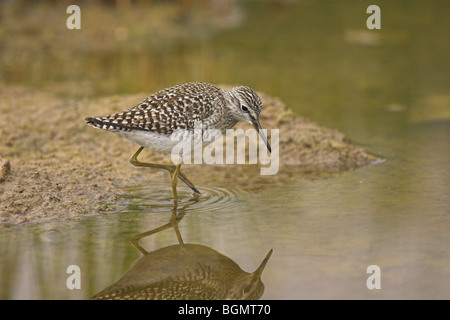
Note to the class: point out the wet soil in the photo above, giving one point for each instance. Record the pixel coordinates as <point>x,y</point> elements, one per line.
<point>54,166</point>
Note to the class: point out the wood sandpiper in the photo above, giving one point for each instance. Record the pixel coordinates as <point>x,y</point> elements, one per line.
<point>151,123</point>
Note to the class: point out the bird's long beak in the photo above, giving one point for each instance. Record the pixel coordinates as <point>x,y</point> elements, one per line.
<point>258,128</point>
<point>260,269</point>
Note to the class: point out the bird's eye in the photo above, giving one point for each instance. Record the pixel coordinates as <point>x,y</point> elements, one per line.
<point>244,108</point>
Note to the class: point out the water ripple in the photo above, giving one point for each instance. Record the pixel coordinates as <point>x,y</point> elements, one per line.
<point>161,199</point>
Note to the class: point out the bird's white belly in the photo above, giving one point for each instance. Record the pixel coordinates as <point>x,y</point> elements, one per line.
<point>150,140</point>
<point>165,143</point>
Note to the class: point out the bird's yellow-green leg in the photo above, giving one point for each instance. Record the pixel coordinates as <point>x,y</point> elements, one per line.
<point>135,240</point>
<point>172,169</point>
<point>175,182</point>
<point>174,219</point>
<point>187,182</point>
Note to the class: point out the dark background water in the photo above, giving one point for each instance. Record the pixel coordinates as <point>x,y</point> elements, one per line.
<point>386,89</point>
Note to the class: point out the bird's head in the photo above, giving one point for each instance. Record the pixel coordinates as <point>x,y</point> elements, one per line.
<point>247,106</point>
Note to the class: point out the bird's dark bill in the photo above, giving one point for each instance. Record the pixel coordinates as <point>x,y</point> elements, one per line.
<point>263,263</point>
<point>261,133</point>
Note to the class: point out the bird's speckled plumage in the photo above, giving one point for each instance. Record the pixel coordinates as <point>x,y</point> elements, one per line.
<point>167,110</point>
<point>199,272</point>
<point>173,114</point>
<point>151,122</point>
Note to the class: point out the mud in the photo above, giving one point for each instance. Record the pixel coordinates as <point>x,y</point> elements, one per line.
<point>60,168</point>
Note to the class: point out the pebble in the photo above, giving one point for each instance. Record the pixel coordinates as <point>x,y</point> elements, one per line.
<point>5,167</point>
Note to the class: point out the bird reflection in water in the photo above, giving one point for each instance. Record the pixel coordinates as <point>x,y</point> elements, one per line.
<point>184,271</point>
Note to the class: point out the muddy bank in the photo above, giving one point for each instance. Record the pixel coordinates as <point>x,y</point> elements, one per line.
<point>62,169</point>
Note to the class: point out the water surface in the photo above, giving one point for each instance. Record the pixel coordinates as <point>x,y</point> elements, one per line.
<point>386,89</point>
